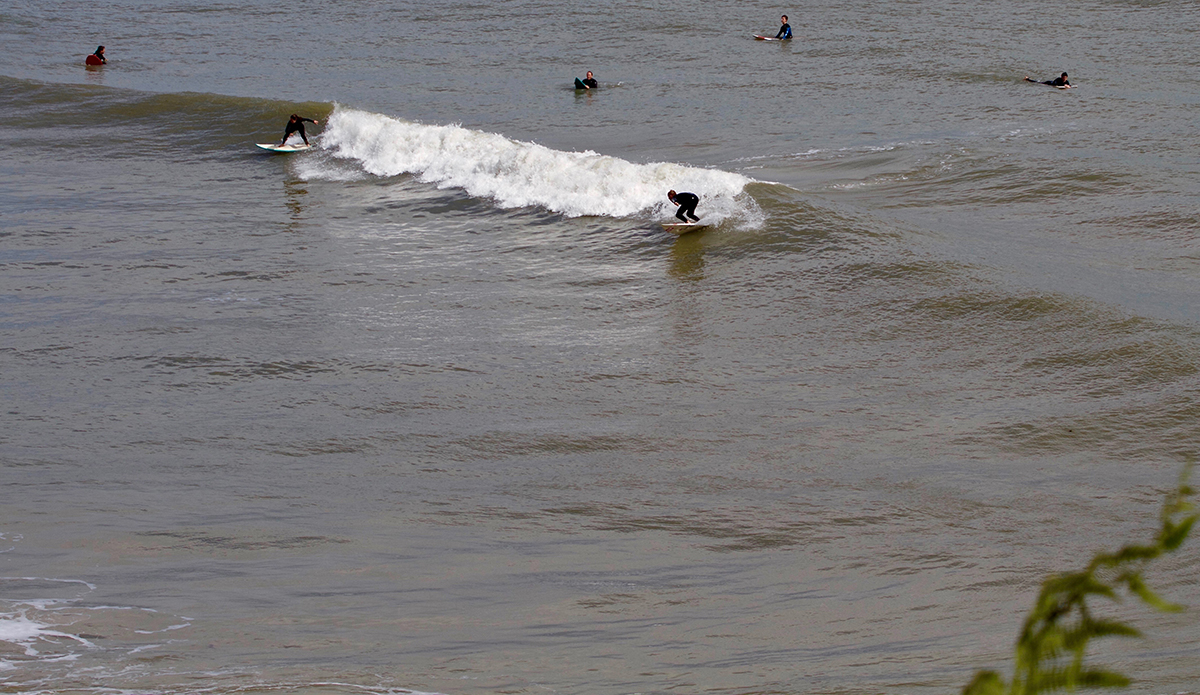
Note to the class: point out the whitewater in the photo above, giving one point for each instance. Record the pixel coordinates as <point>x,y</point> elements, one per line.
<point>518,174</point>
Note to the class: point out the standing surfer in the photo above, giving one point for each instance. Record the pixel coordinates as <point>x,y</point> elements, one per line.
<point>785,31</point>
<point>295,124</point>
<point>687,203</point>
<point>1060,81</point>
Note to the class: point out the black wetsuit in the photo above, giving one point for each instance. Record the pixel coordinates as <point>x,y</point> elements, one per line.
<point>1056,82</point>
<point>591,82</point>
<point>785,32</point>
<point>687,206</point>
<point>296,126</point>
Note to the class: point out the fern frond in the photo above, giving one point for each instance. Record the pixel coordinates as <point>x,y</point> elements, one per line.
<point>1061,621</point>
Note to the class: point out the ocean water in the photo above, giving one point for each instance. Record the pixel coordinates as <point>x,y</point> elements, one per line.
<point>440,407</point>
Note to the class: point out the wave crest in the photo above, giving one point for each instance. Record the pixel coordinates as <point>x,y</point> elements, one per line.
<point>519,174</point>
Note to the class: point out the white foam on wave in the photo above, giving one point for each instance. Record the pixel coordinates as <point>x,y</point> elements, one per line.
<point>34,634</point>
<point>18,629</point>
<point>14,538</point>
<point>518,174</point>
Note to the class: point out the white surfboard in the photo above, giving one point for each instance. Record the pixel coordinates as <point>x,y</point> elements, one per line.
<point>765,38</point>
<point>282,149</point>
<point>684,227</point>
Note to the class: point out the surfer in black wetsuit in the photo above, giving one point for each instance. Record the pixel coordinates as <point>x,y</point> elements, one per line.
<point>687,203</point>
<point>590,81</point>
<point>295,124</point>
<point>785,31</point>
<point>1060,81</point>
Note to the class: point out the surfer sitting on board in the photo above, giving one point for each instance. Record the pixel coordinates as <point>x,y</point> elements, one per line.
<point>785,31</point>
<point>97,58</point>
<point>687,203</point>
<point>296,124</point>
<point>1056,82</point>
<point>588,82</point>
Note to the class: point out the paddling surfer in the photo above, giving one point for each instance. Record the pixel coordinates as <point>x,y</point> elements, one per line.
<point>687,203</point>
<point>295,124</point>
<point>785,31</point>
<point>1060,81</point>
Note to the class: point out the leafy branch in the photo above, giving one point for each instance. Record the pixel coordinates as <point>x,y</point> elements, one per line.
<point>1055,636</point>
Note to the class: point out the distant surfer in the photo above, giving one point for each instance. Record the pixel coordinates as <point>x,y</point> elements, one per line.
<point>785,31</point>
<point>295,124</point>
<point>687,203</point>
<point>97,58</point>
<point>588,82</point>
<point>1060,81</point>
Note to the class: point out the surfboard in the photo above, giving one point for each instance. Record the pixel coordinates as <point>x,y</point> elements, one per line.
<point>1056,86</point>
<point>282,149</point>
<point>580,85</point>
<point>684,227</point>
<point>765,38</point>
<point>93,60</point>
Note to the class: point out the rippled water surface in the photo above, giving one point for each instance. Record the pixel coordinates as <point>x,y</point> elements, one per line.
<point>439,406</point>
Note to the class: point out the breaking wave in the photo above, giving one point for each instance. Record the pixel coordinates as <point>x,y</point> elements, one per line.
<point>518,174</point>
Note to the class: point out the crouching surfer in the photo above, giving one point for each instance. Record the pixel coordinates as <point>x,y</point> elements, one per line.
<point>687,203</point>
<point>295,124</point>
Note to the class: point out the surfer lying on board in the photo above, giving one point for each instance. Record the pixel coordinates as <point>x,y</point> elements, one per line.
<point>687,203</point>
<point>1056,82</point>
<point>97,58</point>
<point>295,124</point>
<point>785,31</point>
